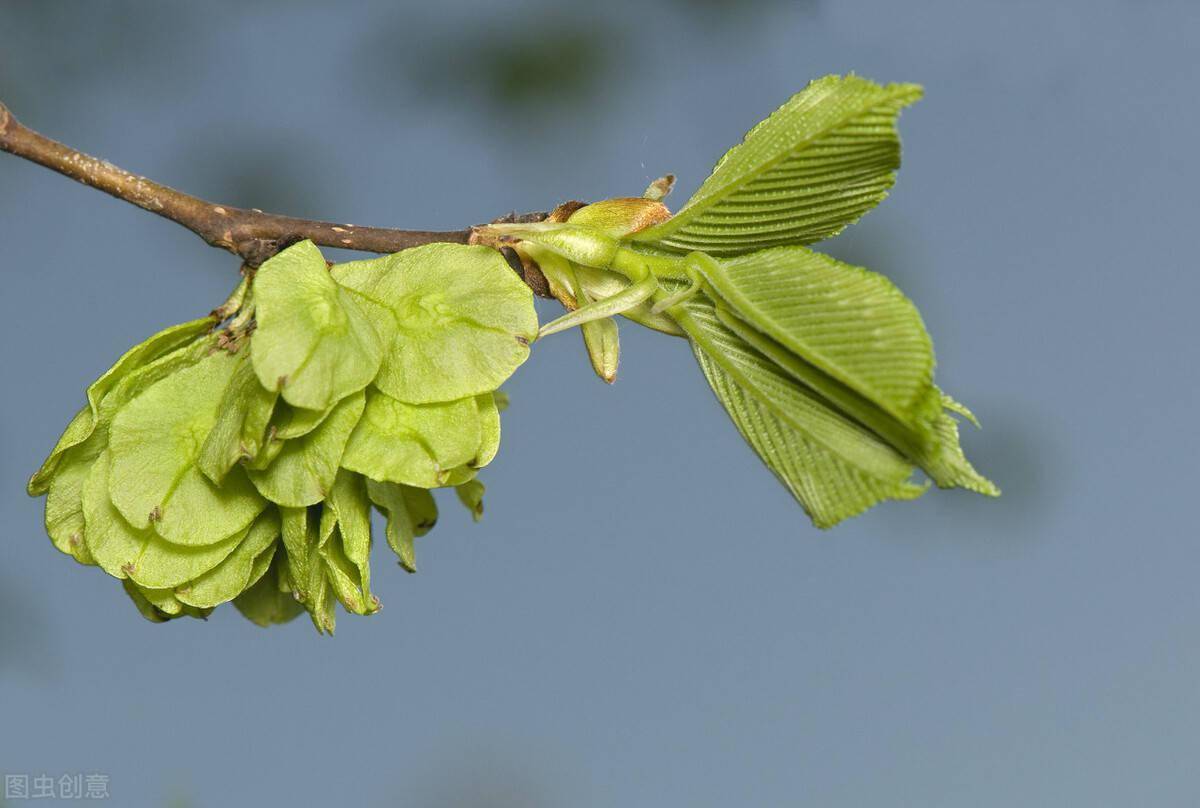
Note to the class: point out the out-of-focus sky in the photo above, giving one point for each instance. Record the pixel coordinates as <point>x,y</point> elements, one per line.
<point>644,617</point>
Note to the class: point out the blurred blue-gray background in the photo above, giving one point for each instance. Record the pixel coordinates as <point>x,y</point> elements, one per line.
<point>645,617</point>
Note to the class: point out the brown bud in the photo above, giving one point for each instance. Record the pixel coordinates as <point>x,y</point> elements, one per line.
<point>621,217</point>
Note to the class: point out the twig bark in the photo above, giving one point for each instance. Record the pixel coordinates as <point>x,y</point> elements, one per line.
<point>252,235</point>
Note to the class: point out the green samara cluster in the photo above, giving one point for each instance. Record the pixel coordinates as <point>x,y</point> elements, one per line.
<point>826,369</point>
<point>237,457</point>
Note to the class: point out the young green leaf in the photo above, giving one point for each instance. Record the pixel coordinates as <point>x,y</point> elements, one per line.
<point>851,323</point>
<point>816,165</point>
<point>455,321</point>
<point>125,551</point>
<point>840,396</point>
<point>937,452</point>
<point>85,421</point>
<point>305,468</point>
<point>945,462</point>
<point>313,344</point>
<point>414,444</point>
<point>834,467</point>
<point>155,441</point>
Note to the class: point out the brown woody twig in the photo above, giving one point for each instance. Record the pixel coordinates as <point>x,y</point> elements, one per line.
<point>250,234</point>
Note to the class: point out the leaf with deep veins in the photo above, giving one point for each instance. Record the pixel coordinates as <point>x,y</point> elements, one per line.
<point>936,451</point>
<point>853,324</point>
<point>945,461</point>
<point>834,467</point>
<point>817,164</point>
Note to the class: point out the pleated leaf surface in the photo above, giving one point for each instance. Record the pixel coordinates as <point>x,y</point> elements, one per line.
<point>816,165</point>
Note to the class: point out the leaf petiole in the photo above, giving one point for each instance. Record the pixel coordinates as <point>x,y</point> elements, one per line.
<point>643,287</point>
<point>689,291</point>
